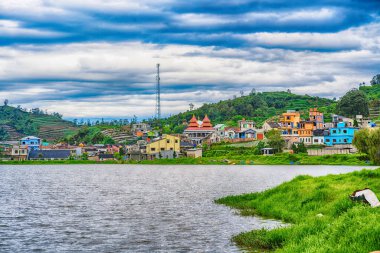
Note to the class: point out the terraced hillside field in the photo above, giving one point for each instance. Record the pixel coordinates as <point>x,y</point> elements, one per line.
<point>18,123</point>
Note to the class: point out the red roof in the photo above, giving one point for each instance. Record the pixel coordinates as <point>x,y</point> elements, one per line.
<point>194,126</point>
<point>193,122</point>
<point>206,122</point>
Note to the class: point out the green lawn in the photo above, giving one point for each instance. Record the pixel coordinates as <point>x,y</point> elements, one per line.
<point>344,226</point>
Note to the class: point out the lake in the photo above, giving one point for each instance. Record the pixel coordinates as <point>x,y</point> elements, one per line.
<point>132,208</point>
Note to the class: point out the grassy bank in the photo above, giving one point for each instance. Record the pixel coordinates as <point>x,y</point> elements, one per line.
<point>322,217</point>
<point>235,159</point>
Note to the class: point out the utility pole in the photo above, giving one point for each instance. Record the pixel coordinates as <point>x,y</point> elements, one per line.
<point>158,94</point>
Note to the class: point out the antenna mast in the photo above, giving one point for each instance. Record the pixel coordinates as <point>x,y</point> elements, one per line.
<point>158,94</point>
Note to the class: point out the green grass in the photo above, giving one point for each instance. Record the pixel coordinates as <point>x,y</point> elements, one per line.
<point>345,226</point>
<point>240,159</point>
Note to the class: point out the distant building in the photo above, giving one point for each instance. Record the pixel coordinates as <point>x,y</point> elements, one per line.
<point>141,127</point>
<point>342,134</point>
<point>51,154</point>
<point>246,125</point>
<point>200,132</point>
<point>305,132</point>
<point>31,142</point>
<point>319,136</point>
<point>167,147</point>
<point>106,157</point>
<point>269,125</point>
<point>290,123</point>
<point>316,118</point>
<point>194,153</point>
<point>19,152</point>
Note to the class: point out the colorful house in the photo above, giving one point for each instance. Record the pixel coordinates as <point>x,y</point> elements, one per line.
<point>305,132</point>
<point>31,142</point>
<point>317,118</point>
<point>290,123</point>
<point>340,135</point>
<point>246,124</point>
<point>166,146</point>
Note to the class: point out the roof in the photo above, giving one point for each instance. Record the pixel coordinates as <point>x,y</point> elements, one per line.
<point>49,154</point>
<point>30,138</point>
<point>106,156</point>
<point>186,144</point>
<point>273,124</point>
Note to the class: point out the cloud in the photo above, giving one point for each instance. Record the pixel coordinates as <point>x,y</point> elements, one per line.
<point>96,57</point>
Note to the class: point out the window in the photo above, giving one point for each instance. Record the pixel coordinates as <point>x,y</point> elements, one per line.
<point>345,131</point>
<point>167,141</point>
<point>334,140</point>
<point>327,140</point>
<point>23,143</point>
<point>16,151</point>
<point>162,149</point>
<point>176,141</point>
<point>153,149</point>
<point>171,148</point>
<point>334,131</point>
<point>315,140</point>
<point>345,140</point>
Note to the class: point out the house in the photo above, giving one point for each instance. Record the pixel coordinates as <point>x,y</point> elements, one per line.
<point>290,123</point>
<point>305,132</point>
<point>51,154</point>
<point>319,137</point>
<point>316,118</point>
<point>19,152</point>
<point>168,147</point>
<point>186,146</point>
<point>246,124</point>
<point>31,142</point>
<point>231,132</point>
<point>141,127</point>
<point>194,153</point>
<point>247,134</point>
<point>220,128</point>
<point>106,157</point>
<point>200,132</point>
<point>269,125</point>
<point>337,119</point>
<point>342,134</point>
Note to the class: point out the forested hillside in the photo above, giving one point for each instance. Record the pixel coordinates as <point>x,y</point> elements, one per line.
<point>16,123</point>
<point>256,106</point>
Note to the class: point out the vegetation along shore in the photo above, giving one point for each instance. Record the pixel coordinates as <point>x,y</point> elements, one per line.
<point>320,214</point>
<point>279,159</point>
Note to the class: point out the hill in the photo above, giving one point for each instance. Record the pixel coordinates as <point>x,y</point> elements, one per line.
<point>16,123</point>
<point>256,106</point>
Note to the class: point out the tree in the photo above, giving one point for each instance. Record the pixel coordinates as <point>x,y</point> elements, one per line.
<point>353,103</point>
<point>174,154</point>
<point>375,80</point>
<point>356,123</point>
<point>368,142</point>
<point>275,140</point>
<point>122,151</point>
<point>361,141</point>
<point>6,102</point>
<point>299,148</point>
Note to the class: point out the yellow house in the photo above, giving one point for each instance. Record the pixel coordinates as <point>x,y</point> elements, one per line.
<point>167,143</point>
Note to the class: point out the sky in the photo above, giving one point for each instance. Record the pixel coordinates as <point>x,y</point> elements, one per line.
<point>97,58</point>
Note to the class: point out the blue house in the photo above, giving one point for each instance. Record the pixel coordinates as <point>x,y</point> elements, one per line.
<point>340,135</point>
<point>33,143</point>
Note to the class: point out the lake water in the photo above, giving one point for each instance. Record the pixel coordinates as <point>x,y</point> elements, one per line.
<point>125,208</point>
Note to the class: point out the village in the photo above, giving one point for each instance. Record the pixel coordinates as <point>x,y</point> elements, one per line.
<point>318,135</point>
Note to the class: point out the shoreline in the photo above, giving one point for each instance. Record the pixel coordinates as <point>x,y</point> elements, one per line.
<point>317,210</point>
<point>281,159</point>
